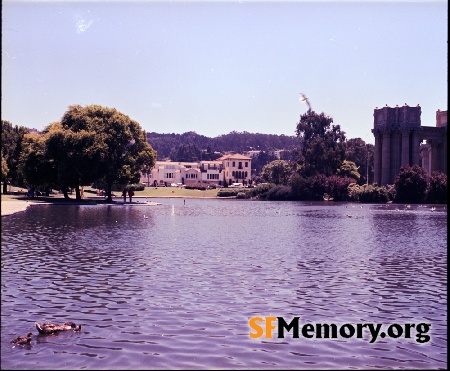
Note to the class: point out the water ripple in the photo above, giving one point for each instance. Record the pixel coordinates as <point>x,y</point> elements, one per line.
<point>176,290</point>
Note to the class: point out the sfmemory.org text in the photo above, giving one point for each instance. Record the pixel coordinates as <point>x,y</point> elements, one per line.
<point>265,326</point>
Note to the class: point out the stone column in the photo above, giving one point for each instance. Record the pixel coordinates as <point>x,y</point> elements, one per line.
<point>405,147</point>
<point>377,158</point>
<point>415,148</point>
<point>425,151</point>
<point>386,159</point>
<point>395,155</point>
<point>434,156</point>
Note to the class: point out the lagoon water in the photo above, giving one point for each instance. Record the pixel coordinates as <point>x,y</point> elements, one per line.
<point>175,289</point>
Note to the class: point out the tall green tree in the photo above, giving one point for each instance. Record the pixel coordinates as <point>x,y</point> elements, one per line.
<point>321,144</point>
<point>126,151</point>
<point>11,145</point>
<point>77,156</point>
<point>34,165</point>
<point>4,170</point>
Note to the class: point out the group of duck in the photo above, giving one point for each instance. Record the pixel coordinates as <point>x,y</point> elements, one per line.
<point>47,329</point>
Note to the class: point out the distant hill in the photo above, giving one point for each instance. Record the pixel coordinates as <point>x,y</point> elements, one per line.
<point>232,142</point>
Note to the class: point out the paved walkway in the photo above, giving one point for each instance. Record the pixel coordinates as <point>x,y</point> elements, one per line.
<point>14,206</point>
<point>9,206</point>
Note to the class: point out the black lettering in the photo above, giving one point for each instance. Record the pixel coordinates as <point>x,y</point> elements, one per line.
<point>308,328</point>
<point>282,325</point>
<point>351,330</point>
<point>326,329</point>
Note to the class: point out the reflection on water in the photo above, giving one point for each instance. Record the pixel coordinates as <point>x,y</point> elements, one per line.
<point>176,289</point>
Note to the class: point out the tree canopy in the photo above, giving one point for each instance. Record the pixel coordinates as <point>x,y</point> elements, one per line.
<point>348,169</point>
<point>277,172</point>
<point>91,143</point>
<point>321,144</point>
<point>119,145</point>
<point>11,147</point>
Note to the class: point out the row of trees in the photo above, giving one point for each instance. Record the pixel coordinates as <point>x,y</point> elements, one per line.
<point>327,164</point>
<point>167,145</point>
<point>101,145</point>
<point>90,144</point>
<point>412,185</point>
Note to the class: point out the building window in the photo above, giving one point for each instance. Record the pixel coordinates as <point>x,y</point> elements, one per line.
<point>246,164</point>
<point>234,164</point>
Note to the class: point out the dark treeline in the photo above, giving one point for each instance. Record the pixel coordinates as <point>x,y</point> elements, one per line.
<point>235,141</point>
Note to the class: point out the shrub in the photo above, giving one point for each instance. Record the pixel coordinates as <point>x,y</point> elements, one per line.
<point>227,193</point>
<point>280,192</point>
<point>261,190</point>
<point>337,187</point>
<point>368,193</point>
<point>199,187</point>
<point>411,185</point>
<point>437,188</point>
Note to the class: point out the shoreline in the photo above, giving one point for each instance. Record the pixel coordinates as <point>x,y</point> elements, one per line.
<point>12,204</point>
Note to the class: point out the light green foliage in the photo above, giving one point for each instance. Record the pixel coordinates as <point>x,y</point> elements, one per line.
<point>4,169</point>
<point>349,169</point>
<point>11,147</point>
<point>120,143</point>
<point>34,164</point>
<point>277,172</point>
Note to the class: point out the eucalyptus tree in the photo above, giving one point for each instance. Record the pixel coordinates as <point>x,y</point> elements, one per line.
<point>124,149</point>
<point>321,144</point>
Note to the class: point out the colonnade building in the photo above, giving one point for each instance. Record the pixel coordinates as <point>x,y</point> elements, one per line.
<point>398,142</point>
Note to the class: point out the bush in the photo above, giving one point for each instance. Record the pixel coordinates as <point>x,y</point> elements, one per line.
<point>199,187</point>
<point>337,187</point>
<point>241,195</point>
<point>261,190</point>
<point>227,193</point>
<point>411,185</point>
<point>280,192</point>
<point>368,193</point>
<point>437,189</point>
<point>120,187</point>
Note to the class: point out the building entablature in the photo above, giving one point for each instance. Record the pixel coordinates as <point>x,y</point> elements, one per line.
<point>397,117</point>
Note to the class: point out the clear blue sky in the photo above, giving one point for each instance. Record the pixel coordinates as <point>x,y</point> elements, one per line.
<point>214,67</point>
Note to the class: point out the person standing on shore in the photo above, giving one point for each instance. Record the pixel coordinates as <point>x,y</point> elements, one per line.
<point>130,194</point>
<point>124,195</point>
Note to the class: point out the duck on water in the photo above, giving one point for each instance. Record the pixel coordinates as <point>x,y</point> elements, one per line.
<point>22,340</point>
<point>51,328</point>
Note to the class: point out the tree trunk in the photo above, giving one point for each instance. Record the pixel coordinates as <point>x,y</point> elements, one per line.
<point>109,191</point>
<point>5,187</point>
<point>77,192</point>
<point>65,193</point>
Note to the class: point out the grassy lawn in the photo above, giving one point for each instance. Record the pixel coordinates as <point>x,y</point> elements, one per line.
<point>147,192</point>
<point>175,192</point>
